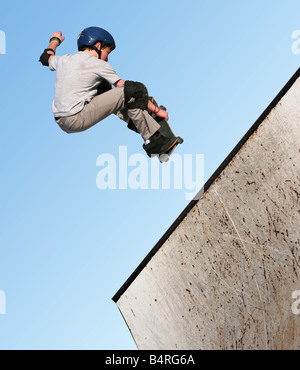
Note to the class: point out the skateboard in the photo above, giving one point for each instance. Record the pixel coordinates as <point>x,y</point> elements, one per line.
<point>164,157</point>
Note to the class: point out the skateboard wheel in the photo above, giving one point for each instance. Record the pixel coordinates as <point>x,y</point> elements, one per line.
<point>163,158</point>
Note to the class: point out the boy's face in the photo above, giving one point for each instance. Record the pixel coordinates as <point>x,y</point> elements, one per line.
<point>105,53</point>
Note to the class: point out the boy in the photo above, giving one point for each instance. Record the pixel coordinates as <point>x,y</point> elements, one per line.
<point>84,95</point>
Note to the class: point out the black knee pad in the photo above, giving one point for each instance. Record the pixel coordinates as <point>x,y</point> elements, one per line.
<point>136,95</point>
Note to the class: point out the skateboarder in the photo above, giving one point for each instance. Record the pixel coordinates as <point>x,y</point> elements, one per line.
<point>84,95</point>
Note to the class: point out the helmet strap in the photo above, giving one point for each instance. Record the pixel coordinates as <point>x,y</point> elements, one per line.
<point>97,50</point>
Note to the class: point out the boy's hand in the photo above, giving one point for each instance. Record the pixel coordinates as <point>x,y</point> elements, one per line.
<point>163,114</point>
<point>158,111</point>
<point>57,37</point>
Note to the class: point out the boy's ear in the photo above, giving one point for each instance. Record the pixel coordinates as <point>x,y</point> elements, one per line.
<point>98,45</point>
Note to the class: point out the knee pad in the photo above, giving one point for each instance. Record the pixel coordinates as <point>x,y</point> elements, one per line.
<point>136,95</point>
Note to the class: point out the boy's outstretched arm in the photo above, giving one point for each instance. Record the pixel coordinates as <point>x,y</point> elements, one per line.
<point>55,40</point>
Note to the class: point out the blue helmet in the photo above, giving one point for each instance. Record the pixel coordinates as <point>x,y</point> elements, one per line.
<point>89,36</point>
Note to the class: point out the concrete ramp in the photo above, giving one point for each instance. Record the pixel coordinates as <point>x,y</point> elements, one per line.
<point>223,275</point>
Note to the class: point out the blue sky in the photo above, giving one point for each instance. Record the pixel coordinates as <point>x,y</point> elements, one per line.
<point>66,246</point>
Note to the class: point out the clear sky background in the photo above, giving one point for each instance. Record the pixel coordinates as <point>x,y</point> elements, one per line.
<point>66,247</point>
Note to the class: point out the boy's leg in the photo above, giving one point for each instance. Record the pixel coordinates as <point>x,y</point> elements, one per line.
<point>158,135</point>
<point>103,105</point>
<point>144,123</point>
<point>100,107</point>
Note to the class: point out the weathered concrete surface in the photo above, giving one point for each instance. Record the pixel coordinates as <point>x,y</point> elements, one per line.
<point>224,278</point>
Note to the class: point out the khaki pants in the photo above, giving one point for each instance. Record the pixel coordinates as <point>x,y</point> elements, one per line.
<point>102,106</point>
